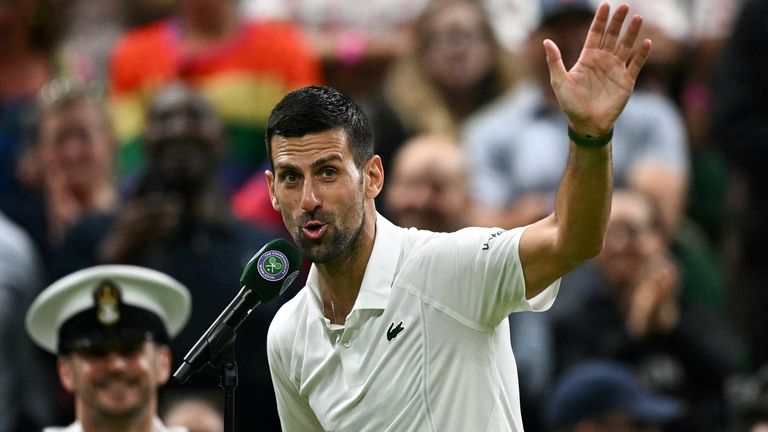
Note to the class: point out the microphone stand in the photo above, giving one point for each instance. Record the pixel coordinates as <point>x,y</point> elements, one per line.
<point>216,348</point>
<point>228,381</point>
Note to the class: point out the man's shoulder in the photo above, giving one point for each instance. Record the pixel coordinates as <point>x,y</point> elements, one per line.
<point>291,314</point>
<point>439,248</point>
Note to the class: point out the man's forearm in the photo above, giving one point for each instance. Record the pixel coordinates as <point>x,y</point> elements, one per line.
<point>584,202</point>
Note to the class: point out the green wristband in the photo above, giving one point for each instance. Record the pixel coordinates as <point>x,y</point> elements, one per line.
<point>590,141</point>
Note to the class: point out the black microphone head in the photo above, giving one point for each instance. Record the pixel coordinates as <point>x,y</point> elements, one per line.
<point>272,270</point>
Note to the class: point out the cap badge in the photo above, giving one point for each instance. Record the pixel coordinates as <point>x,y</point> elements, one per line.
<point>107,297</point>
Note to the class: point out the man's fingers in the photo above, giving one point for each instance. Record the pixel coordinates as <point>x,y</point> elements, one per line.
<point>614,28</point>
<point>627,44</point>
<point>639,59</point>
<point>557,70</point>
<point>597,28</point>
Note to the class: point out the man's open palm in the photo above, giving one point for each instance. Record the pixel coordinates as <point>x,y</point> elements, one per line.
<point>593,93</point>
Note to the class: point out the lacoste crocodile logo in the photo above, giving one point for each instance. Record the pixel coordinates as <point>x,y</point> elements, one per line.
<point>393,332</point>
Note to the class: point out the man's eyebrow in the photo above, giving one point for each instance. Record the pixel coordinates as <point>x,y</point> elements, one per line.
<point>318,163</point>
<point>285,166</point>
<point>326,160</point>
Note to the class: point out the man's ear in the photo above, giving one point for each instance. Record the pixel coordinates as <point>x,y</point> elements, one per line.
<point>374,176</point>
<point>163,363</point>
<point>66,373</point>
<point>271,184</point>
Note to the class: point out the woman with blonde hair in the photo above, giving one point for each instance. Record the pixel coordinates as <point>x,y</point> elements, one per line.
<point>455,67</point>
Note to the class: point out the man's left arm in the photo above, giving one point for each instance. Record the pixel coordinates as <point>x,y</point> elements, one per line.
<point>592,94</point>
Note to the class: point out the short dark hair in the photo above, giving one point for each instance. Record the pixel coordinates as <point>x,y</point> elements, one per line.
<point>316,109</point>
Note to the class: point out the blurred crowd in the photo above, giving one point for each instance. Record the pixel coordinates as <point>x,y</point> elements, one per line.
<point>132,132</point>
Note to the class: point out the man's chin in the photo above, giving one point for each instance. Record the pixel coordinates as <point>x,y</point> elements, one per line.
<point>123,399</point>
<point>121,408</point>
<point>317,252</point>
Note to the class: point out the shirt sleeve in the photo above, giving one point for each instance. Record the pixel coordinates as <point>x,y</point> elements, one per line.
<point>293,408</point>
<point>475,275</point>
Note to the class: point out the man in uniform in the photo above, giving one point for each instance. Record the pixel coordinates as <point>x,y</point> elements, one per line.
<point>110,327</point>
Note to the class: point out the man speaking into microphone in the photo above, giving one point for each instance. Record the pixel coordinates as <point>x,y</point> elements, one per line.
<point>405,330</point>
<point>177,221</point>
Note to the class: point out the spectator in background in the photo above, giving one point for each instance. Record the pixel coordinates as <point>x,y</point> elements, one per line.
<point>197,413</point>
<point>740,130</point>
<point>359,41</point>
<point>26,387</point>
<point>91,29</point>
<point>177,221</point>
<point>29,32</point>
<point>429,190</point>
<point>455,68</point>
<point>69,165</point>
<point>624,306</point>
<point>687,37</point>
<point>110,327</point>
<point>243,67</point>
<point>355,41</point>
<point>428,185</point>
<point>516,152</point>
<point>749,402</point>
<point>607,396</point>
<point>517,149</point>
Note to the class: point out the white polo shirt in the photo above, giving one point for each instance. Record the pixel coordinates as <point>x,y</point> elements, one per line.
<point>425,348</point>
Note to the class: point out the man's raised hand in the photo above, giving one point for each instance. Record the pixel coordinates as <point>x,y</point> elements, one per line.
<point>593,93</point>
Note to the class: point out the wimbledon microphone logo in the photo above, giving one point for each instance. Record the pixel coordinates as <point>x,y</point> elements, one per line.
<point>273,265</point>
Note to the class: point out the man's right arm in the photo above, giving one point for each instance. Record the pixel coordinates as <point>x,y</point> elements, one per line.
<point>293,408</point>
<point>592,94</point>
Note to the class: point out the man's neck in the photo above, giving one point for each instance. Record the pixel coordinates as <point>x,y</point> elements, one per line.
<point>142,424</point>
<point>98,422</point>
<point>340,280</point>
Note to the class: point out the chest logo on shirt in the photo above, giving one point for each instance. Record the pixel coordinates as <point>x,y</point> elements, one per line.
<point>394,331</point>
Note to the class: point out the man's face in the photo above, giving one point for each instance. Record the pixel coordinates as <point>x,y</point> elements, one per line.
<point>457,52</point>
<point>116,383</point>
<point>630,239</point>
<point>75,147</point>
<point>321,193</point>
<point>428,186</point>
<point>182,137</point>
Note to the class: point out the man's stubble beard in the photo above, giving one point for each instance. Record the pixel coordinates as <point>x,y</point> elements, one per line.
<point>108,411</point>
<point>340,244</point>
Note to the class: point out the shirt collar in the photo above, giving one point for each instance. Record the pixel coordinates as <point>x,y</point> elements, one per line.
<point>379,272</point>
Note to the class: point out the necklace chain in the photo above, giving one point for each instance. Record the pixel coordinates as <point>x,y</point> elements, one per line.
<point>333,311</point>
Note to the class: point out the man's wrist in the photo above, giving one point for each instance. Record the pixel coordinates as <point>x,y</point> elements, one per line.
<point>589,141</point>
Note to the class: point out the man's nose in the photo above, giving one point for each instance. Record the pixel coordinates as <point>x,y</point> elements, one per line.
<point>309,198</point>
<point>116,361</point>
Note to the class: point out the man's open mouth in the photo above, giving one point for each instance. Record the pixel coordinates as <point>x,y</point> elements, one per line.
<point>314,230</point>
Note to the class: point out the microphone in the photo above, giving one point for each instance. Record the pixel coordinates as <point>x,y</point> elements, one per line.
<point>267,275</point>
